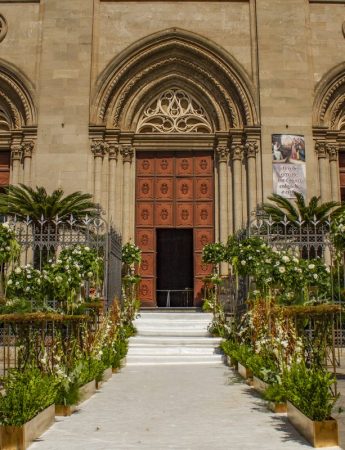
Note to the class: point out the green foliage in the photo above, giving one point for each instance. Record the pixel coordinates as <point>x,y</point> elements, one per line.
<point>26,283</point>
<point>264,367</point>
<point>131,254</point>
<point>238,352</point>
<point>213,253</point>
<point>338,232</point>
<point>298,209</point>
<point>27,393</point>
<point>9,247</point>
<point>23,201</point>
<point>275,393</point>
<point>309,389</point>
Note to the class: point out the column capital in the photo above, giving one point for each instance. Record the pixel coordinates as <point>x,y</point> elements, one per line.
<point>237,150</point>
<point>222,152</point>
<point>27,148</point>
<point>99,148</point>
<point>333,150</point>
<point>113,150</point>
<point>251,149</point>
<point>16,152</point>
<point>321,149</point>
<point>127,152</point>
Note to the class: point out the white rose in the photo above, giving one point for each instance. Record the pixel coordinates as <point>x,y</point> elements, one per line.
<point>87,249</point>
<point>315,276</point>
<point>243,262</point>
<point>311,266</point>
<point>281,269</point>
<point>27,289</point>
<point>285,258</point>
<point>18,270</point>
<point>89,274</point>
<point>9,282</point>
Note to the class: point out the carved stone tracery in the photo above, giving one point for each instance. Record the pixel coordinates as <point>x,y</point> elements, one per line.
<point>174,111</point>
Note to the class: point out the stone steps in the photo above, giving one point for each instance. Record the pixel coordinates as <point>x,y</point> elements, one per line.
<point>173,338</point>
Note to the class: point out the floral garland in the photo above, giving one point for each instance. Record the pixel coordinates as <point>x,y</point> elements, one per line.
<point>131,254</point>
<point>9,247</point>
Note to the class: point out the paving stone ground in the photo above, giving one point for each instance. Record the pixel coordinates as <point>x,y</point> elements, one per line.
<point>189,407</point>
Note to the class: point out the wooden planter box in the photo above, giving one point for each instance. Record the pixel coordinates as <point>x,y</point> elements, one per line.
<point>107,374</point>
<point>85,392</point>
<point>65,410</point>
<point>19,438</point>
<point>231,362</point>
<point>122,364</point>
<point>259,385</point>
<point>319,434</point>
<point>278,408</point>
<point>244,371</point>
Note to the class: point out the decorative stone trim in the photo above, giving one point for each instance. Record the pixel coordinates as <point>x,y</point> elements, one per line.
<point>237,151</point>
<point>99,148</point>
<point>3,27</point>
<point>333,151</point>
<point>222,152</point>
<point>127,152</point>
<point>16,152</point>
<point>27,148</point>
<point>251,149</point>
<point>321,149</point>
<point>113,151</point>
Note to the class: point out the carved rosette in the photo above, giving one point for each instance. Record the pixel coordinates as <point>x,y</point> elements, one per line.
<point>16,152</point>
<point>127,152</point>
<point>27,149</point>
<point>237,151</point>
<point>333,152</point>
<point>222,152</point>
<point>321,149</point>
<point>251,149</point>
<point>99,148</point>
<point>113,151</point>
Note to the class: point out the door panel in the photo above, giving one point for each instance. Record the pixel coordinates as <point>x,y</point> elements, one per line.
<point>174,192</point>
<point>184,188</point>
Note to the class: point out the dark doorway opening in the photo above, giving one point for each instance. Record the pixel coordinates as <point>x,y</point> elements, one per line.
<point>175,274</point>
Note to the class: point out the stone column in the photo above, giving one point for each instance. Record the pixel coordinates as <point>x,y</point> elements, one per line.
<point>236,154</point>
<point>321,151</point>
<point>98,148</point>
<point>16,158</point>
<point>222,154</point>
<point>113,155</point>
<point>127,152</point>
<point>27,148</point>
<point>251,148</point>
<point>334,170</point>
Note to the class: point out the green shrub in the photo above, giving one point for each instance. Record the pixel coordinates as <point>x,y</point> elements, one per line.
<point>263,367</point>
<point>275,393</point>
<point>238,352</point>
<point>27,393</point>
<point>309,389</point>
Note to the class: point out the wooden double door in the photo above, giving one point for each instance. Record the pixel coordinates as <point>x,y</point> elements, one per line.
<point>174,190</point>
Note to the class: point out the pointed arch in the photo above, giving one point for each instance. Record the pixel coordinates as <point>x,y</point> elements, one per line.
<point>180,59</point>
<point>16,96</point>
<point>329,103</point>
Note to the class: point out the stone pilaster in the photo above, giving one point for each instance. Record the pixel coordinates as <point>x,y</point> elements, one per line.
<point>127,153</point>
<point>113,152</point>
<point>16,160</point>
<point>99,149</point>
<point>237,151</point>
<point>222,152</point>
<point>322,154</point>
<point>27,149</point>
<point>251,150</point>
<point>333,150</point>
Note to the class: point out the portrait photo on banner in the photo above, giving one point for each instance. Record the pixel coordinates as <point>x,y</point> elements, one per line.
<point>289,168</point>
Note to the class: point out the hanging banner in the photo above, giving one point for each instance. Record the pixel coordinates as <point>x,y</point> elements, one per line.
<point>289,168</point>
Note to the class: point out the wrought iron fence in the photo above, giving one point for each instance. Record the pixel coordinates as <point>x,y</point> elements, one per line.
<point>43,240</point>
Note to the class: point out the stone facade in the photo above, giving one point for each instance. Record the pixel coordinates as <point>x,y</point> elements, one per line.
<point>76,76</point>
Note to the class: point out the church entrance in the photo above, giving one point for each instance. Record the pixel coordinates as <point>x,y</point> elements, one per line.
<point>174,220</point>
<point>175,276</point>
